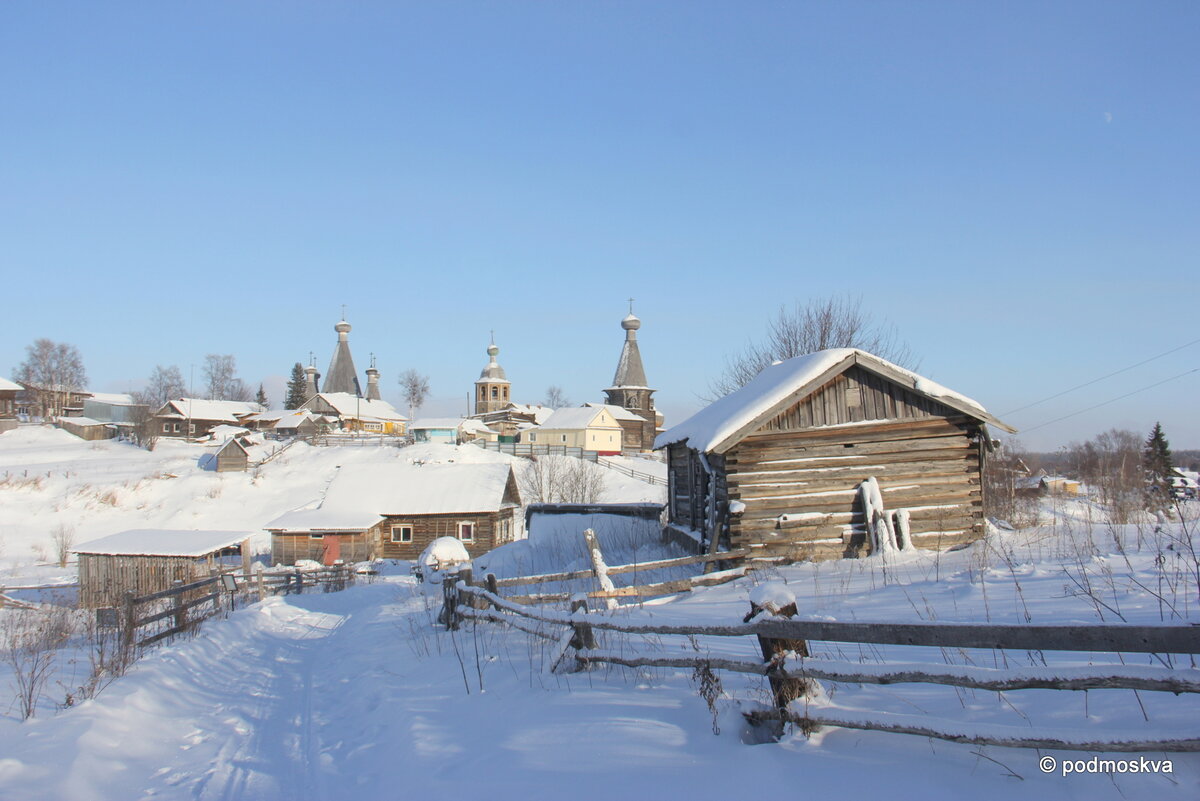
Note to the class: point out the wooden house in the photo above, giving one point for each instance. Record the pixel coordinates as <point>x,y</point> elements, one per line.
<point>592,428</point>
<point>779,463</point>
<point>358,414</point>
<point>395,509</point>
<point>635,435</point>
<point>8,404</point>
<point>143,561</point>
<point>195,417</point>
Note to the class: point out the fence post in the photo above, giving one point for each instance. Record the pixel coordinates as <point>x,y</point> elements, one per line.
<point>128,624</point>
<point>599,568</point>
<point>584,637</point>
<point>493,586</point>
<point>449,615</point>
<point>783,690</point>
<point>180,617</point>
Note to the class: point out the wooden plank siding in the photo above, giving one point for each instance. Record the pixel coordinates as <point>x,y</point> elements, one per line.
<point>491,530</point>
<point>287,547</point>
<point>105,578</point>
<point>809,459</point>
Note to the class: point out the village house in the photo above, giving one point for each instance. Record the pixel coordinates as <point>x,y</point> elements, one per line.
<point>592,428</point>
<point>8,404</point>
<point>394,510</point>
<point>777,465</point>
<point>439,430</point>
<point>194,418</point>
<point>358,414</point>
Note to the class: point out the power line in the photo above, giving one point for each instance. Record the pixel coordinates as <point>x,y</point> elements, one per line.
<point>1113,400</point>
<point>1101,378</point>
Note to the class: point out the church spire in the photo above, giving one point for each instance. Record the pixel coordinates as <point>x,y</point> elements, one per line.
<point>342,377</point>
<point>492,387</point>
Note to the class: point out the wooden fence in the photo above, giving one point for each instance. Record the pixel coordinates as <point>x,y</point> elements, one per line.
<point>784,647</point>
<point>148,619</point>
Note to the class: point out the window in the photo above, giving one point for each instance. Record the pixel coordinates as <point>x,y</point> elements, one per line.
<point>316,536</point>
<point>402,533</point>
<point>495,393</point>
<point>564,437</point>
<point>191,428</point>
<point>506,393</point>
<point>466,531</point>
<point>532,436</point>
<point>166,428</point>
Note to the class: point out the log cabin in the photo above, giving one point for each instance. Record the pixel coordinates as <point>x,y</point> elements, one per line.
<point>394,510</point>
<point>777,465</point>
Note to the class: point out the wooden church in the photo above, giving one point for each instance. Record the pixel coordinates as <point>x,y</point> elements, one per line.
<point>779,464</point>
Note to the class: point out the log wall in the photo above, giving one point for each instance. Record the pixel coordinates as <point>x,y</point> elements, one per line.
<point>492,529</point>
<point>929,466</point>
<point>104,579</point>
<point>288,548</point>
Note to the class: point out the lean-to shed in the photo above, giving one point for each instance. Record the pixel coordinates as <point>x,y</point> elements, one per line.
<point>777,464</point>
<point>143,561</point>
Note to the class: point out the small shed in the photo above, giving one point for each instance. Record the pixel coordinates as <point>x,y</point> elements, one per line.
<point>443,430</point>
<point>778,464</point>
<point>86,428</point>
<point>143,561</point>
<point>232,457</point>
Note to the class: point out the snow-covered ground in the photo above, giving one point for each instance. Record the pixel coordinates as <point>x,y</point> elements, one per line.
<point>360,695</point>
<point>52,481</point>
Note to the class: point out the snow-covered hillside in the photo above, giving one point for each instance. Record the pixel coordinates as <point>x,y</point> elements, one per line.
<point>51,481</point>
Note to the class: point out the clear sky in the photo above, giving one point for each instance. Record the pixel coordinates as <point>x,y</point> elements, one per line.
<point>1014,186</point>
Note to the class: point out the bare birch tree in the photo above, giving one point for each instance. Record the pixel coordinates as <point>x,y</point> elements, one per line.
<point>53,370</point>
<point>415,388</point>
<point>836,322</point>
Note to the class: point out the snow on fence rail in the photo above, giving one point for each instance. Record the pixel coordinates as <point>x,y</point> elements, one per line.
<point>783,643</point>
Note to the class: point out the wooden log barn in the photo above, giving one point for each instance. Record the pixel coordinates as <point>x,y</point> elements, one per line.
<point>777,464</point>
<point>394,510</point>
<point>143,561</point>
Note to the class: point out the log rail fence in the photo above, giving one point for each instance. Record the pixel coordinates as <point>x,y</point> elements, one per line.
<point>784,646</point>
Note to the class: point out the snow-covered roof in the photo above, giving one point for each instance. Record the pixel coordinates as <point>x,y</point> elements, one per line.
<point>201,409</point>
<point>573,418</point>
<point>111,398</point>
<point>427,423</point>
<point>294,419</point>
<point>163,542</point>
<point>353,407</point>
<point>361,494</point>
<point>540,413</point>
<point>475,426</point>
<point>10,386</point>
<point>80,421</point>
<point>716,427</point>
<point>619,412</point>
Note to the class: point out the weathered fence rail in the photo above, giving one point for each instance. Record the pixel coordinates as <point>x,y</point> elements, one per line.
<point>784,646</point>
<point>186,605</point>
<point>649,478</point>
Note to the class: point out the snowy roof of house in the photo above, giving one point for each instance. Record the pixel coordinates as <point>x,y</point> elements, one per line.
<point>294,419</point>
<point>721,424</point>
<point>232,442</point>
<point>619,412</point>
<point>427,423</point>
<point>200,409</point>
<point>573,418</point>
<point>10,386</point>
<point>539,412</point>
<point>353,407</point>
<point>111,398</point>
<point>476,426</point>
<point>163,542</point>
<point>361,494</point>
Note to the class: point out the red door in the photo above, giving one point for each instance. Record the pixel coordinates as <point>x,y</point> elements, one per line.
<point>331,550</point>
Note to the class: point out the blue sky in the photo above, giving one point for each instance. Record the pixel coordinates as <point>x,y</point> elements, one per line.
<point>1013,186</point>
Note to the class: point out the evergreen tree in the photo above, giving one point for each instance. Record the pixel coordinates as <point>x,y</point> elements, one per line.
<point>261,397</point>
<point>1157,463</point>
<point>295,388</point>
